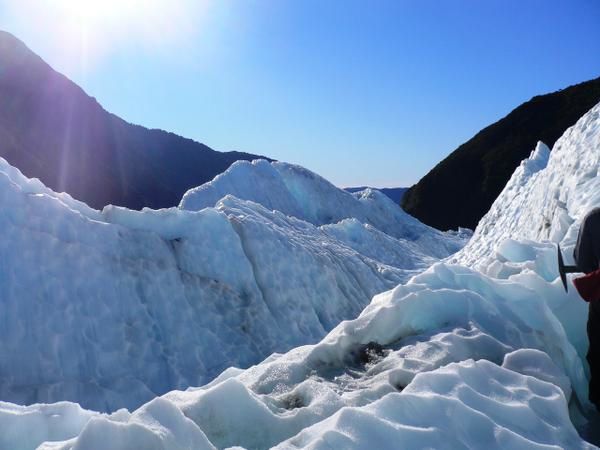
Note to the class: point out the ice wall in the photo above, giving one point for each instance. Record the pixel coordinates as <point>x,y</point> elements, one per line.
<point>111,308</point>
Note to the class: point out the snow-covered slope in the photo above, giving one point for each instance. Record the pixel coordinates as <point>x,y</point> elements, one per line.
<point>488,356</point>
<point>111,308</point>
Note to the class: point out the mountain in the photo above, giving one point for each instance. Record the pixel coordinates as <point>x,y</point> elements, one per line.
<point>395,194</point>
<point>485,163</point>
<point>482,350</point>
<point>52,130</point>
<point>118,306</point>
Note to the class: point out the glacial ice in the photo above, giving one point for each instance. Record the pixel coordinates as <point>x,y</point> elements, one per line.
<point>298,192</point>
<point>482,350</point>
<point>419,377</point>
<point>462,405</point>
<point>112,308</point>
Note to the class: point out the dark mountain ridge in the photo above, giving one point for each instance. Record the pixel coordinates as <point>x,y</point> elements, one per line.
<point>51,129</point>
<point>459,190</point>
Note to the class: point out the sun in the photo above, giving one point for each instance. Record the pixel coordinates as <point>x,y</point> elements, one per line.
<point>98,26</point>
<point>87,33</point>
<point>92,13</point>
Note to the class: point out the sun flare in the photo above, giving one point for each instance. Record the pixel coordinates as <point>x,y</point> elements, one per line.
<point>87,31</point>
<point>98,12</point>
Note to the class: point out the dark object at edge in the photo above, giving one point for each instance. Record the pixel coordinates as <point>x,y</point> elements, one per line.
<point>588,286</point>
<point>564,270</point>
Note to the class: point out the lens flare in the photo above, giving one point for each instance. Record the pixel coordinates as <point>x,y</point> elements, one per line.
<point>89,11</point>
<point>87,31</point>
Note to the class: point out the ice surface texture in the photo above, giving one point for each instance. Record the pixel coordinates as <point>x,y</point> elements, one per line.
<point>476,405</point>
<point>350,391</point>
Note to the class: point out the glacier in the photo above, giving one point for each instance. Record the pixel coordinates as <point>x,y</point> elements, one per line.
<point>298,192</point>
<point>481,350</point>
<point>112,308</point>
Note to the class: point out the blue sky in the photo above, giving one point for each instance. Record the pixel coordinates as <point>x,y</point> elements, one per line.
<point>362,92</point>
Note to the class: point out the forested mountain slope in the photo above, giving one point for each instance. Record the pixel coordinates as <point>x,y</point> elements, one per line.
<point>446,200</point>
